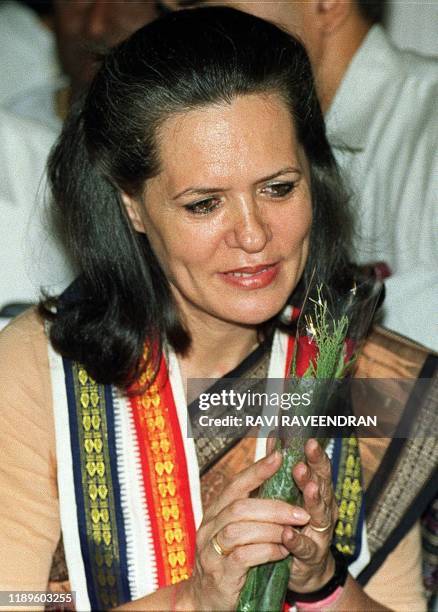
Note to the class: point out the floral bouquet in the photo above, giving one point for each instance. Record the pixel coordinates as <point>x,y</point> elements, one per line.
<point>330,329</point>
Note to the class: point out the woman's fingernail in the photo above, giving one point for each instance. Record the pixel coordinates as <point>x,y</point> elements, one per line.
<point>300,515</point>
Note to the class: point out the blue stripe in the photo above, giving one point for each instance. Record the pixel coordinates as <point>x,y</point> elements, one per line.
<point>77,473</point>
<point>336,459</point>
<point>335,471</point>
<point>87,546</point>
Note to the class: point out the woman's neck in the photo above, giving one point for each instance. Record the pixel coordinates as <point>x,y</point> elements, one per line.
<point>216,348</point>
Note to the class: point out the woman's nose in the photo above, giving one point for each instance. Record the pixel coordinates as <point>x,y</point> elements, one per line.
<point>249,231</point>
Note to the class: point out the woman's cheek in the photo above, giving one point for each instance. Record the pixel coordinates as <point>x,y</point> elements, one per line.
<point>194,250</point>
<point>294,232</point>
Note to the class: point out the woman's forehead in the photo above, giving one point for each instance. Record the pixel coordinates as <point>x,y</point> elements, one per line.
<point>253,134</point>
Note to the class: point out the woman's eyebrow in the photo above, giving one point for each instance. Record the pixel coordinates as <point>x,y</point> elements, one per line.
<point>208,190</point>
<point>198,191</point>
<point>287,170</point>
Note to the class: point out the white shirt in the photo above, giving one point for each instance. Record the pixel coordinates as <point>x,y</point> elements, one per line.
<point>384,130</point>
<point>30,256</point>
<point>413,25</point>
<point>27,51</point>
<point>38,104</point>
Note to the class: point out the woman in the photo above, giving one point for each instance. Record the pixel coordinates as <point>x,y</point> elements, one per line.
<point>195,188</point>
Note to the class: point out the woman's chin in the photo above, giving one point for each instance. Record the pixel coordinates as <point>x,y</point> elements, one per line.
<point>256,313</point>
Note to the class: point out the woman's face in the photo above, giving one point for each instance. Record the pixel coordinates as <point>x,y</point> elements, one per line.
<point>229,215</point>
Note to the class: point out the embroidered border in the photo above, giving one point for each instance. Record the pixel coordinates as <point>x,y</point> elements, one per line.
<point>97,489</point>
<point>165,477</point>
<point>349,495</point>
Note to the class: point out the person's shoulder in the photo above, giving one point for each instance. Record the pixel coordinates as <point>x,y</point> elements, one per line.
<point>410,61</point>
<point>408,73</point>
<point>23,329</point>
<point>421,73</point>
<point>24,357</point>
<point>26,414</point>
<point>395,341</point>
<point>387,354</point>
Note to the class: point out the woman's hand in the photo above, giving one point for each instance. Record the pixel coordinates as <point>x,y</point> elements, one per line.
<point>313,565</point>
<point>246,532</point>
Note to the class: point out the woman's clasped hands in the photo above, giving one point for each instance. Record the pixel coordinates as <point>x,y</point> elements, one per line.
<point>239,531</point>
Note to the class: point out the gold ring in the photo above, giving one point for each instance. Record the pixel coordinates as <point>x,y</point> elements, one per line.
<point>320,529</point>
<point>223,552</point>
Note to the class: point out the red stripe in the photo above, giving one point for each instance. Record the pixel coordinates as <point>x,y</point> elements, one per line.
<point>180,475</point>
<point>146,470</point>
<point>182,469</point>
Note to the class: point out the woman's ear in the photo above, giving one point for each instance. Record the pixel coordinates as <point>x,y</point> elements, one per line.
<point>132,208</point>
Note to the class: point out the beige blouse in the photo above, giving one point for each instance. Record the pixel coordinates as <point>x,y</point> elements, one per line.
<point>29,513</point>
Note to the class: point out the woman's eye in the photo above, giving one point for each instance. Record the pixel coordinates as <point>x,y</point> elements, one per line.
<point>279,190</point>
<point>204,207</point>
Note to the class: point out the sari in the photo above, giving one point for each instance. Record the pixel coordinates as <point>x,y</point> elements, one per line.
<point>138,483</point>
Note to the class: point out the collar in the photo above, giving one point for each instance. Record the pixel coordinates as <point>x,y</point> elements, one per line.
<point>364,83</point>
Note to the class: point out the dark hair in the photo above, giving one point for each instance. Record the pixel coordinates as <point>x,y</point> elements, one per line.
<point>374,11</point>
<point>43,8</point>
<point>183,61</point>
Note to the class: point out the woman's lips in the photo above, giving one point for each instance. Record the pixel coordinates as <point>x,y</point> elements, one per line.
<point>252,277</point>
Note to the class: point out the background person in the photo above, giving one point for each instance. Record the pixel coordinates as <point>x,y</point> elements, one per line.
<point>31,256</point>
<point>83,31</point>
